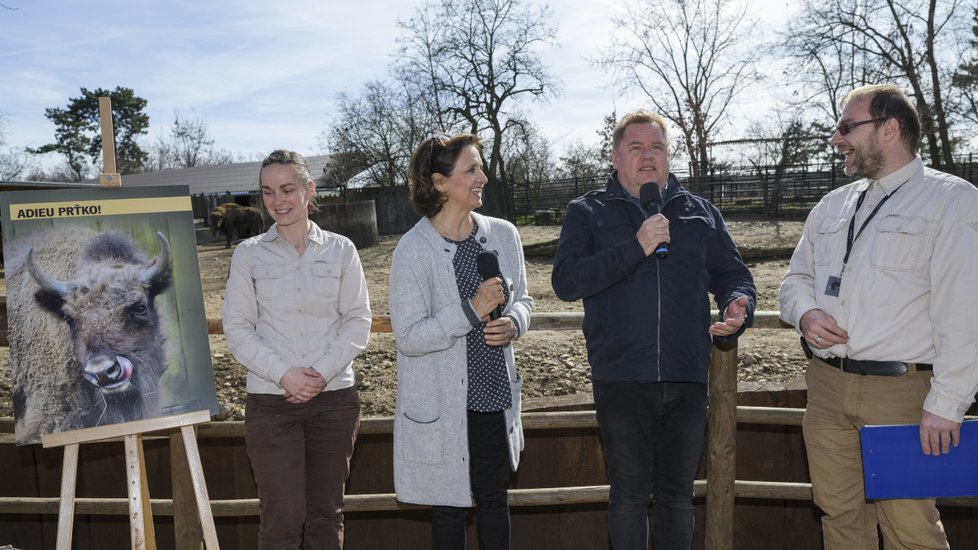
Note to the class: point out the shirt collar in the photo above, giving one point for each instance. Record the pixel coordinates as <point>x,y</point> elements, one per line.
<point>891,182</point>
<point>315,234</point>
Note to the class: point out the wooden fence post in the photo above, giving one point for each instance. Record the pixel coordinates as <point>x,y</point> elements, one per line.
<point>721,448</point>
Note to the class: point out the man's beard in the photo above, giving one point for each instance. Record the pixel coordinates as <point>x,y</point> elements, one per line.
<point>868,163</point>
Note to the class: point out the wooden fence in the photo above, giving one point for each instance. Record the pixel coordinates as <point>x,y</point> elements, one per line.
<point>720,488</point>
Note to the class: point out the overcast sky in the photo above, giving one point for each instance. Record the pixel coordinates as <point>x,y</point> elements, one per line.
<point>262,75</point>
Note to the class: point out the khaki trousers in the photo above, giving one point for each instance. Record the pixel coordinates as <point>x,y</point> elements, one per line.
<point>839,404</point>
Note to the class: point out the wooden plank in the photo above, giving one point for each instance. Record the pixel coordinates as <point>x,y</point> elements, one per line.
<point>66,510</point>
<point>200,488</point>
<point>721,447</point>
<point>566,320</point>
<point>100,433</point>
<point>140,511</point>
<point>110,177</point>
<point>186,525</point>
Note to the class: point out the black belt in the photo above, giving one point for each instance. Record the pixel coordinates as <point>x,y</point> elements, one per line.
<point>874,368</point>
<point>869,368</point>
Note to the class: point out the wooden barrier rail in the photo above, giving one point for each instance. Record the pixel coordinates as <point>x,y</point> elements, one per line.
<point>720,448</point>
<point>387,502</point>
<point>720,491</point>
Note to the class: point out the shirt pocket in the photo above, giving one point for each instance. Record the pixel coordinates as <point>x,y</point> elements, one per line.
<point>326,279</point>
<point>902,243</point>
<point>268,281</point>
<point>830,241</point>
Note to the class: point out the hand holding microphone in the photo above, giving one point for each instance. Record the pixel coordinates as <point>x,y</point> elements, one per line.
<point>654,233</point>
<point>491,290</point>
<point>499,331</point>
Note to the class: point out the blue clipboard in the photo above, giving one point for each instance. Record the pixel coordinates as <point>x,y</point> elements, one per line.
<point>895,467</point>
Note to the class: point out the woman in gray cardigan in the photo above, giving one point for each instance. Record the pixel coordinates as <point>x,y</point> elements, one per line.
<point>457,428</point>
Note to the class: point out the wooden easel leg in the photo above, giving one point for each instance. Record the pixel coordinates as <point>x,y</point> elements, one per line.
<point>140,509</point>
<point>187,533</point>
<point>66,513</point>
<point>200,488</point>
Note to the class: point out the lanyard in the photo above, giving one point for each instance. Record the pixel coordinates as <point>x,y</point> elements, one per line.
<point>852,223</point>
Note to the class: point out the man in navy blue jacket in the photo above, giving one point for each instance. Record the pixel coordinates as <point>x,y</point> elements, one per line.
<point>648,328</point>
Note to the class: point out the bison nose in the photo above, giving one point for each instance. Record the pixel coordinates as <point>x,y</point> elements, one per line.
<point>108,371</point>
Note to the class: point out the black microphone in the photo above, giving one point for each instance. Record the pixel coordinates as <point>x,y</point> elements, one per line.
<point>651,199</point>
<point>488,265</point>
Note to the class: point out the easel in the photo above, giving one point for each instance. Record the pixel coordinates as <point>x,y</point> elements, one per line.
<point>142,533</point>
<point>141,529</point>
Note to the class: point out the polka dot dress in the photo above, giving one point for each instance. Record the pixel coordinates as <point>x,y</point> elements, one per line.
<point>489,389</point>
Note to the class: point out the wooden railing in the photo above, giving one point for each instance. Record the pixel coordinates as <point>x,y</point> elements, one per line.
<point>720,488</point>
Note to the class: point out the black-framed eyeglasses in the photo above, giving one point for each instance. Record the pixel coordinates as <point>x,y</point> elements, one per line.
<point>847,127</point>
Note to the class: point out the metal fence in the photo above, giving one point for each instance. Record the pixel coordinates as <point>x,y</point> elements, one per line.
<point>762,190</point>
<point>767,190</point>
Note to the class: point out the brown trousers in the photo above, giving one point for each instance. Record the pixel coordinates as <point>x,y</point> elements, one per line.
<point>300,454</point>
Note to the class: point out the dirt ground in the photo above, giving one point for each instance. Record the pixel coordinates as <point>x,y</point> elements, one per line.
<point>553,363</point>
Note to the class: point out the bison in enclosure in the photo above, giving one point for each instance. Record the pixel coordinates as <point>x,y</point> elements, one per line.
<point>236,221</point>
<point>216,215</point>
<point>86,344</point>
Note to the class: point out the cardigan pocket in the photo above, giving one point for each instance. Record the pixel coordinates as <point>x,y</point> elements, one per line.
<point>421,441</point>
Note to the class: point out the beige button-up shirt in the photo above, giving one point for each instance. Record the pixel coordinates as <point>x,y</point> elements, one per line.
<point>910,289</point>
<point>282,310</point>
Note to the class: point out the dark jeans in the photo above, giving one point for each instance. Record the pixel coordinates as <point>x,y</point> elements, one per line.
<point>300,454</point>
<point>489,476</point>
<point>653,434</point>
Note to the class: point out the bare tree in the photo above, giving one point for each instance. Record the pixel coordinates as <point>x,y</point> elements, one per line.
<point>581,160</point>
<point>189,144</point>
<point>607,136</point>
<point>965,80</point>
<point>193,145</point>
<point>888,40</point>
<point>376,132</point>
<point>785,138</point>
<point>529,156</point>
<point>474,61</point>
<point>821,74</point>
<point>14,163</point>
<point>690,58</point>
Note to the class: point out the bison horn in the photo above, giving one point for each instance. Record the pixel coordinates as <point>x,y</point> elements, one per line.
<point>161,265</point>
<point>46,283</point>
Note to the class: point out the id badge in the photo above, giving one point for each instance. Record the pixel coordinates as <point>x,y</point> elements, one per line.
<point>833,286</point>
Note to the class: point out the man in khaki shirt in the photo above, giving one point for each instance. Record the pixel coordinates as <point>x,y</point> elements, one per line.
<point>882,289</point>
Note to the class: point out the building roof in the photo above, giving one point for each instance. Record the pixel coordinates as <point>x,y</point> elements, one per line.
<point>20,185</point>
<point>222,178</point>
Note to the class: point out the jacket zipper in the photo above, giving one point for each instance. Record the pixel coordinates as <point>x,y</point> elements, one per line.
<point>658,300</point>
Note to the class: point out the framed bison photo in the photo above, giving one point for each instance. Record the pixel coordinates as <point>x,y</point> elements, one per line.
<point>104,308</point>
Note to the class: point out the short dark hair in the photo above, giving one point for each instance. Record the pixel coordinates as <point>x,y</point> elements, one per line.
<point>888,101</point>
<point>641,116</point>
<point>436,155</point>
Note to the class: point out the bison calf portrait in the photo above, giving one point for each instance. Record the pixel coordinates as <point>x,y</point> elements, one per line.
<point>86,344</point>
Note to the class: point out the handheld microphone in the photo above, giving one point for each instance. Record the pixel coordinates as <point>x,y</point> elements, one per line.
<point>651,199</point>
<point>488,265</point>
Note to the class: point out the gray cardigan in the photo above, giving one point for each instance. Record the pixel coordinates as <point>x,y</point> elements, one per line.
<point>431,452</point>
